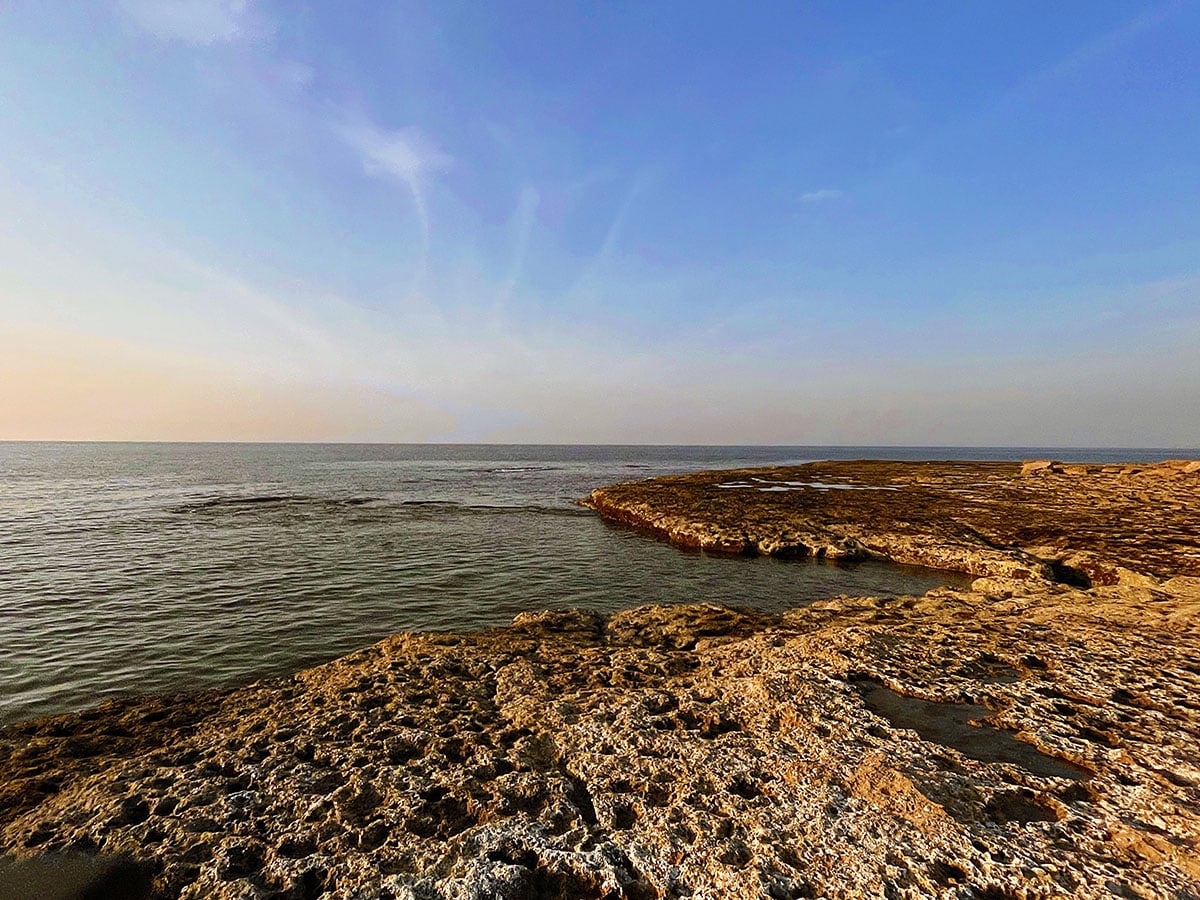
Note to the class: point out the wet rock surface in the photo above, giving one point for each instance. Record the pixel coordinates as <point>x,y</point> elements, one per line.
<point>692,751</point>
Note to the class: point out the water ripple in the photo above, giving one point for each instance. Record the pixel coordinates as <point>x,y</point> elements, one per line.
<point>130,568</point>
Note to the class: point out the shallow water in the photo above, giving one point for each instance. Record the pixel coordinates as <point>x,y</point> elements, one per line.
<point>128,568</point>
<point>963,727</point>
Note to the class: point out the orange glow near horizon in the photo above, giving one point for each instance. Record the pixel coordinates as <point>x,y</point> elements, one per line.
<point>63,386</point>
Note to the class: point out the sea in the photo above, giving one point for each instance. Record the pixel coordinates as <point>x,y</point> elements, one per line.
<point>142,567</point>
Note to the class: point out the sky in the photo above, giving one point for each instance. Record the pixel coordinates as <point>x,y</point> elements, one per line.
<point>929,223</point>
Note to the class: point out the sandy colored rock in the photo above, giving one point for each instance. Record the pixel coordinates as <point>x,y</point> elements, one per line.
<point>1025,738</point>
<point>1084,525</point>
<point>1033,466</point>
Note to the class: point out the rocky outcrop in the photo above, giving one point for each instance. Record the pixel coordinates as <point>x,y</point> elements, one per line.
<point>1170,468</point>
<point>1025,738</point>
<point>1083,524</point>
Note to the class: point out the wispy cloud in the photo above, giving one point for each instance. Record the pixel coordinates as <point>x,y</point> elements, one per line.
<point>1054,78</point>
<point>588,283</point>
<point>1094,51</point>
<point>523,220</point>
<point>197,22</point>
<point>407,155</point>
<point>822,195</point>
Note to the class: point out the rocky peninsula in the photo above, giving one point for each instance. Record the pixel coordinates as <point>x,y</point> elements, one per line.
<point>1034,736</point>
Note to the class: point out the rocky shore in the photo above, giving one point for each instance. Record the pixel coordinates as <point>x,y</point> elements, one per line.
<point>1083,524</point>
<point>1037,735</point>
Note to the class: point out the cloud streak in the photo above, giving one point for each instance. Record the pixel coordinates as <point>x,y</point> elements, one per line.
<point>406,156</point>
<point>822,195</point>
<point>196,22</point>
<point>588,283</point>
<point>523,221</point>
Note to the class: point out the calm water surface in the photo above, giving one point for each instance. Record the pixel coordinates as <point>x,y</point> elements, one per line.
<point>128,568</point>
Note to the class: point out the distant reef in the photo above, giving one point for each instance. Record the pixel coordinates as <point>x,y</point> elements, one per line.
<point>1034,736</point>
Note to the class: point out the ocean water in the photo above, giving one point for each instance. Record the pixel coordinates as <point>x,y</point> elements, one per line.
<point>133,568</point>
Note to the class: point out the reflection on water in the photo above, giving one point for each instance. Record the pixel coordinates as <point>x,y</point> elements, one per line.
<point>143,567</point>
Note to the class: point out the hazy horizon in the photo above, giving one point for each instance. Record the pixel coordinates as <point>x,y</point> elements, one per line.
<point>571,223</point>
<point>611,445</point>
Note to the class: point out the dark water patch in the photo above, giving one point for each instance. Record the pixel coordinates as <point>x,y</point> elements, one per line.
<point>270,501</point>
<point>450,508</point>
<point>78,875</point>
<point>511,470</point>
<point>236,502</point>
<point>487,509</point>
<point>267,505</point>
<point>961,726</point>
<point>567,512</point>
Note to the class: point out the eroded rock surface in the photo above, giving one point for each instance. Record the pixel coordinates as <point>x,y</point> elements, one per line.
<point>1084,523</point>
<point>684,751</point>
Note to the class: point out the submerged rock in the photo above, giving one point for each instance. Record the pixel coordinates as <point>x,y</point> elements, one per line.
<point>691,751</point>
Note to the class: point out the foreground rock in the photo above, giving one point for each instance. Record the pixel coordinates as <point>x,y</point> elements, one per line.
<point>680,752</point>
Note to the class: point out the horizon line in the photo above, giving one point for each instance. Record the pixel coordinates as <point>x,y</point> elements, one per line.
<point>602,444</point>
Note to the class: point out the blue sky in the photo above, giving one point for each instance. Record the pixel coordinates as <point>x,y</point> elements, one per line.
<point>929,223</point>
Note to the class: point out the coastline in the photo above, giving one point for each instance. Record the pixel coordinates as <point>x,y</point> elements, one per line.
<point>699,751</point>
<point>1079,524</point>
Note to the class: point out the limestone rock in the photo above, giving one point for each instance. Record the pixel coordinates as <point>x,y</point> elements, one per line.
<point>979,518</point>
<point>1032,467</point>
